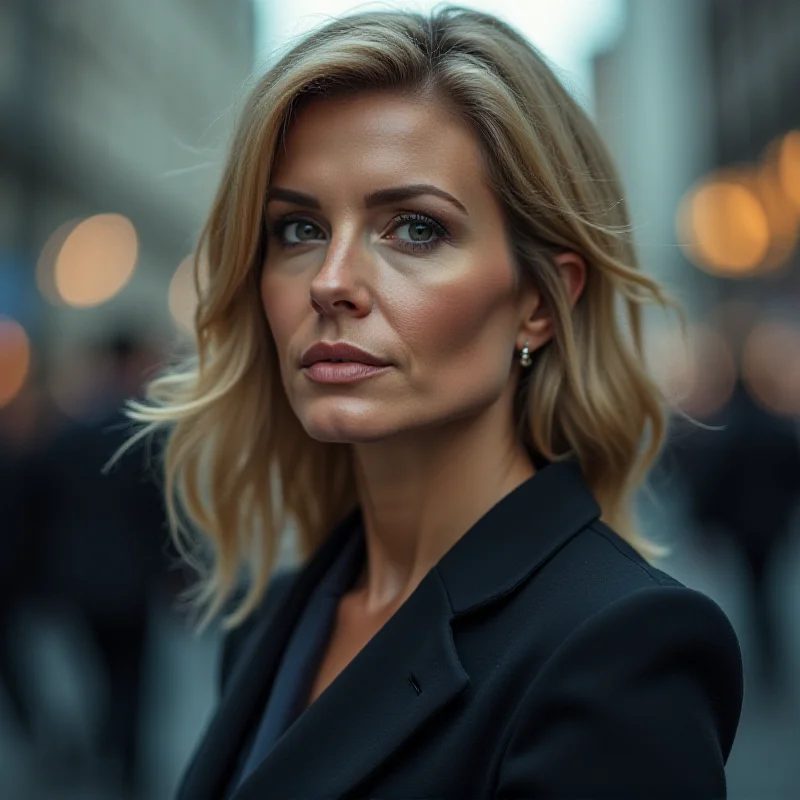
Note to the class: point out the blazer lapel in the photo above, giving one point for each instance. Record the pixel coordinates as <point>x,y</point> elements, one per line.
<point>248,687</point>
<point>404,675</point>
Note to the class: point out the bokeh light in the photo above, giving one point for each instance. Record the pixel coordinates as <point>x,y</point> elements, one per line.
<point>696,371</point>
<point>183,297</point>
<point>789,166</point>
<point>771,366</point>
<point>15,359</point>
<point>72,384</point>
<point>781,215</point>
<point>724,225</point>
<point>96,260</point>
<point>668,355</point>
<point>46,263</point>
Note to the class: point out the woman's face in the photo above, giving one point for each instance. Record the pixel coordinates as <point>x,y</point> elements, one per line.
<point>384,236</point>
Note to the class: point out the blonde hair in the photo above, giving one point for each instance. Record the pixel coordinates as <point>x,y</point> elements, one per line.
<point>238,465</point>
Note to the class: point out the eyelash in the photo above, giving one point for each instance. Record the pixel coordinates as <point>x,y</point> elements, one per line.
<point>277,229</point>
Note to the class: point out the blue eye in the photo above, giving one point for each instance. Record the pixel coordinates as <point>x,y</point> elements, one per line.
<point>297,231</point>
<point>424,233</point>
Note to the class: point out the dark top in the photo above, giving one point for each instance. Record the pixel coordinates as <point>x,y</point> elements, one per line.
<point>541,657</point>
<point>102,535</point>
<point>304,652</point>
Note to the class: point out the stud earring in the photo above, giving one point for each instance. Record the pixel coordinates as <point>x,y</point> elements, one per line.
<point>525,356</point>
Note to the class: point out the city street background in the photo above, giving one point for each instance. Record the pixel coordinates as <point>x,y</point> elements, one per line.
<point>114,121</point>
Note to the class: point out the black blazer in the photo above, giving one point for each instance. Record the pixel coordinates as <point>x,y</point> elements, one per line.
<point>542,657</point>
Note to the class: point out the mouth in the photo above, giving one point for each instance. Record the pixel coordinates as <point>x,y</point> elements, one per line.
<point>342,371</point>
<point>340,353</point>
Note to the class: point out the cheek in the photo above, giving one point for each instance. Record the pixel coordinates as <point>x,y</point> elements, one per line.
<point>467,315</point>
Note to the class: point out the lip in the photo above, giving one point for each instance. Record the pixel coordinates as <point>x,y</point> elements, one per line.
<point>342,371</point>
<point>340,351</point>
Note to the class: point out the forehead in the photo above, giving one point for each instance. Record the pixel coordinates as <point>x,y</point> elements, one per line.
<point>380,137</point>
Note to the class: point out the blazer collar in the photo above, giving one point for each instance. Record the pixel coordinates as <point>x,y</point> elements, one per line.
<point>408,672</point>
<point>515,537</point>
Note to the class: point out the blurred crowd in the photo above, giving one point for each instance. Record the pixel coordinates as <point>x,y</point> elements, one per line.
<point>84,542</point>
<point>733,455</point>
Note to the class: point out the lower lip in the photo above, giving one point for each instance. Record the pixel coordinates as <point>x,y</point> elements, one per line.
<point>342,371</point>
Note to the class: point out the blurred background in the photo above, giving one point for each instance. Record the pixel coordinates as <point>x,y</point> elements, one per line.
<point>114,117</point>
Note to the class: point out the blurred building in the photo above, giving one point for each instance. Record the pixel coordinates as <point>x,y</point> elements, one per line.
<point>755,78</point>
<point>111,107</point>
<point>653,107</point>
<point>699,102</point>
<point>755,73</point>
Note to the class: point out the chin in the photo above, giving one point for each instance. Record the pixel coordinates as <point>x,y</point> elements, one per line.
<point>346,426</point>
<point>345,434</point>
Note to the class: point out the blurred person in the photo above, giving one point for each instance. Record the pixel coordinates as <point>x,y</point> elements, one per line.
<point>15,586</point>
<point>104,534</point>
<point>743,483</point>
<point>24,423</point>
<point>408,349</point>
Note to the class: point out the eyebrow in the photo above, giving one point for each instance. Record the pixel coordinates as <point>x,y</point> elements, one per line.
<point>382,197</point>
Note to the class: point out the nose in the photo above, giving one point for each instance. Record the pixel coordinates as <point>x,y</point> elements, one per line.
<point>338,288</point>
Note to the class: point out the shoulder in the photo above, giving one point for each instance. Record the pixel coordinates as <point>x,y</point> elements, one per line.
<point>591,571</point>
<point>598,582</point>
<point>598,591</point>
<point>615,559</point>
<point>642,674</point>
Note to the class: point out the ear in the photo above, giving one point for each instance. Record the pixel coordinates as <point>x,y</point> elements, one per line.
<point>537,327</point>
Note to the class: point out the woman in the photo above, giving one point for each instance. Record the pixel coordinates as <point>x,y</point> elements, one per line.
<point>408,350</point>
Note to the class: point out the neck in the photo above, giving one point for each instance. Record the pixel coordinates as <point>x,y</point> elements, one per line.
<point>420,493</point>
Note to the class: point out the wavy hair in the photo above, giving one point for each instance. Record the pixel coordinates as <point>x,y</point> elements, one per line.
<point>239,468</point>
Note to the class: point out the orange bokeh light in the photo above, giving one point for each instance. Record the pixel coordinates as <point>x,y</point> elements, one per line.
<point>789,166</point>
<point>46,263</point>
<point>725,226</point>
<point>781,216</point>
<point>96,260</point>
<point>15,359</point>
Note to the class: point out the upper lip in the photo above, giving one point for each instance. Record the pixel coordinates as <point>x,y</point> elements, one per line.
<point>339,351</point>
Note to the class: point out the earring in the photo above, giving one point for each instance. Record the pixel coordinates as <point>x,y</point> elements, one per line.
<point>525,356</point>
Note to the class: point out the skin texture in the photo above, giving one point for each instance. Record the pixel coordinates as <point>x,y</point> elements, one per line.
<point>433,436</point>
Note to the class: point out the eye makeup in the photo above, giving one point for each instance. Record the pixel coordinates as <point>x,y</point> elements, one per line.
<point>439,234</point>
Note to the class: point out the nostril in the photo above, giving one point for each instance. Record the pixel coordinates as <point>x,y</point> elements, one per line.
<point>326,306</point>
